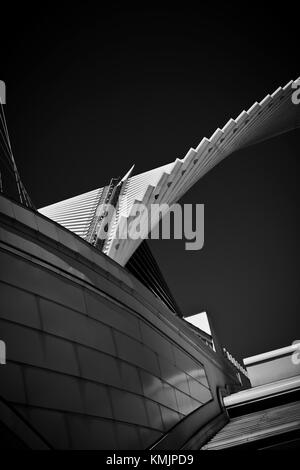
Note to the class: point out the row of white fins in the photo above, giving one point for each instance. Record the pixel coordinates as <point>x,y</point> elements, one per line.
<point>76,213</point>
<point>274,115</point>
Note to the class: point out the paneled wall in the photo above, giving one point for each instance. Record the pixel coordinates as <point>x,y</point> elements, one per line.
<point>94,360</point>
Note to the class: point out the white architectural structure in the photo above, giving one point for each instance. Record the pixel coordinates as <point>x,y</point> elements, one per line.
<point>274,115</point>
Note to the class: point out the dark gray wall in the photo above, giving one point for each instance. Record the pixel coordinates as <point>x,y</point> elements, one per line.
<point>94,360</point>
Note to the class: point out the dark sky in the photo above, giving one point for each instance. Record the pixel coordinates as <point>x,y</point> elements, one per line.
<point>90,92</point>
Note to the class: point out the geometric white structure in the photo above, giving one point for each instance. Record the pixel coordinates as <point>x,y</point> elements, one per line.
<point>200,320</point>
<point>274,115</point>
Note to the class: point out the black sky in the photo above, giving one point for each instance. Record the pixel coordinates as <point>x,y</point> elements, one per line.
<point>90,92</point>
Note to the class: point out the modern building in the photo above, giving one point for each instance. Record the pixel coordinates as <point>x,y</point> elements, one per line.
<point>98,354</point>
<point>267,415</point>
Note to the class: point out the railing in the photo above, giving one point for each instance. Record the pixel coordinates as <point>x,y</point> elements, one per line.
<point>11,184</point>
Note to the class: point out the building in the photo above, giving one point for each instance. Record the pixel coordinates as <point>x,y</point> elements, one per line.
<point>267,415</point>
<point>98,354</point>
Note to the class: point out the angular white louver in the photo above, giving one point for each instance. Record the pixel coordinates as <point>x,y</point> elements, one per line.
<point>75,213</point>
<point>274,115</point>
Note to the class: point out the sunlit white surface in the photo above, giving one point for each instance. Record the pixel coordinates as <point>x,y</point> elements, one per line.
<point>200,320</point>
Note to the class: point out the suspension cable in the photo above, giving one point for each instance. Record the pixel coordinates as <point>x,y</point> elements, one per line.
<point>8,153</point>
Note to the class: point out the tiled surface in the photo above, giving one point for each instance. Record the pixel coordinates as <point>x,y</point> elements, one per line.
<point>66,323</point>
<point>185,403</point>
<point>102,310</point>
<point>129,407</point>
<point>12,384</point>
<point>198,391</point>
<point>60,355</point>
<point>157,342</point>
<point>149,437</point>
<point>96,372</point>
<point>101,363</point>
<point>22,274</point>
<point>99,367</point>
<point>22,344</point>
<point>130,378</point>
<point>46,389</point>
<point>11,299</point>
<point>90,433</point>
<point>96,400</point>
<point>173,375</point>
<point>128,437</point>
<point>169,417</point>
<point>154,415</point>
<point>51,424</point>
<point>136,353</point>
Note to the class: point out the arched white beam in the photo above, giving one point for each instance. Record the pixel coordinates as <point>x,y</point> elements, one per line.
<point>274,115</point>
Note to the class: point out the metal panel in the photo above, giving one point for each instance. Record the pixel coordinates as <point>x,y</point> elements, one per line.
<point>101,310</point>
<point>91,434</point>
<point>136,353</point>
<point>99,367</point>
<point>50,390</point>
<point>12,383</point>
<point>130,378</point>
<point>51,424</point>
<point>66,323</point>
<point>128,437</point>
<point>96,400</point>
<point>129,407</point>
<point>11,299</point>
